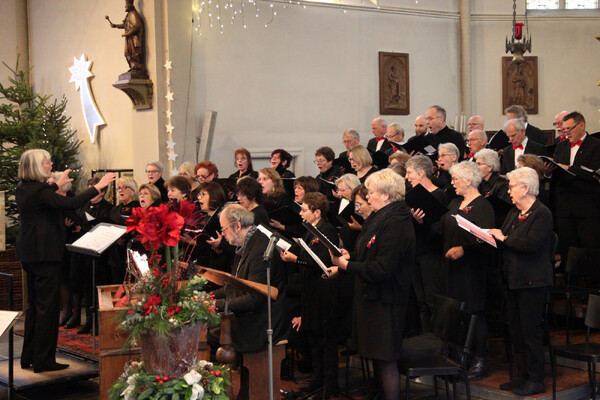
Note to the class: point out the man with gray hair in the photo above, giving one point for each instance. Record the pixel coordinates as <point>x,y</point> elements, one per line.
<point>394,135</point>
<point>249,333</point>
<point>435,117</point>
<point>476,141</point>
<point>350,138</point>
<point>448,155</point>
<point>379,142</point>
<point>518,112</point>
<point>519,144</point>
<point>558,123</point>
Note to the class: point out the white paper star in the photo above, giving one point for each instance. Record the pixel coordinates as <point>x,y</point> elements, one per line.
<point>174,172</point>
<point>168,65</point>
<point>169,128</point>
<point>80,72</point>
<point>169,113</point>
<point>169,96</point>
<point>172,156</point>
<point>170,144</point>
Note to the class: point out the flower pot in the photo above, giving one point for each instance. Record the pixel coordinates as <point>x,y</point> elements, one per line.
<point>172,355</point>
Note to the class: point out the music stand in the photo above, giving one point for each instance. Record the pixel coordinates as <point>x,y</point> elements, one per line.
<point>223,278</point>
<point>95,243</point>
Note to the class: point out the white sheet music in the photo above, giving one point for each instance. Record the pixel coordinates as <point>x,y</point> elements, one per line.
<point>344,202</point>
<point>101,237</point>
<point>281,244</point>
<point>475,230</point>
<point>89,217</point>
<point>7,320</point>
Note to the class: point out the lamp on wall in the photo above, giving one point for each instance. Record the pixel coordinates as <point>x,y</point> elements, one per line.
<point>518,44</point>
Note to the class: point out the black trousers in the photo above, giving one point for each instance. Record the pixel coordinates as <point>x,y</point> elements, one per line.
<point>43,309</point>
<point>526,309</point>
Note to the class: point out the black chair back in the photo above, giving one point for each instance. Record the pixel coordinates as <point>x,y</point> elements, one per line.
<point>592,316</point>
<point>441,308</point>
<point>584,263</point>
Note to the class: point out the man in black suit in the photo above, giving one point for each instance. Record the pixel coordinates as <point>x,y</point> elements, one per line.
<point>154,172</point>
<point>520,144</point>
<point>249,328</point>
<point>394,135</point>
<point>578,197</point>
<point>534,133</point>
<point>379,142</point>
<point>440,133</point>
<point>558,123</point>
<point>476,141</point>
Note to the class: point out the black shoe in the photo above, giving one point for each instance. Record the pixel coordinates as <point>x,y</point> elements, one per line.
<point>25,365</point>
<point>73,322</point>
<point>478,370</point>
<point>87,328</point>
<point>52,367</point>
<point>517,382</point>
<point>530,388</point>
<point>64,320</point>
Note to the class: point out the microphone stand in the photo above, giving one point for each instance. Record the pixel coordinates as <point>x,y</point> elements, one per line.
<point>267,258</point>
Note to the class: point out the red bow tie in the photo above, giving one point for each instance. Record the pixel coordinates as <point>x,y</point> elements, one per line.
<point>578,143</point>
<point>471,155</point>
<point>562,138</point>
<point>518,147</point>
<point>379,139</point>
<point>394,148</point>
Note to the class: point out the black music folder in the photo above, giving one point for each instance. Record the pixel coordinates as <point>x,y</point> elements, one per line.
<point>319,235</point>
<point>420,144</point>
<point>380,160</point>
<point>286,215</point>
<point>288,186</point>
<point>347,210</point>
<point>210,228</point>
<point>419,197</point>
<point>559,169</point>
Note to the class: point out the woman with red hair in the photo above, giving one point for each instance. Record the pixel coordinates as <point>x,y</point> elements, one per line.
<point>243,162</point>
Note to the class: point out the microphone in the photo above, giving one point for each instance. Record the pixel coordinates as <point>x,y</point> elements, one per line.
<point>268,254</point>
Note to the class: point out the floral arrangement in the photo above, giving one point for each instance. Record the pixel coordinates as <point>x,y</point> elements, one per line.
<point>161,300</point>
<point>204,381</point>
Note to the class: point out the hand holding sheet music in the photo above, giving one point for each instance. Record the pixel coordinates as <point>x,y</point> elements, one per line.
<point>476,231</point>
<point>312,255</point>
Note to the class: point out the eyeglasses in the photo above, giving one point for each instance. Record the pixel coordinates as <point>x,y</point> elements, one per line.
<point>432,118</point>
<point>202,194</point>
<point>123,187</point>
<point>440,155</point>
<point>226,227</point>
<point>317,161</point>
<point>455,178</point>
<point>473,140</point>
<point>152,171</point>
<point>511,187</point>
<point>351,159</point>
<point>201,177</point>
<point>241,159</point>
<point>568,130</point>
<point>348,141</point>
<point>555,124</point>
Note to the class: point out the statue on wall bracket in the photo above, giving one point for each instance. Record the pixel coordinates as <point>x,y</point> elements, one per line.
<point>135,82</point>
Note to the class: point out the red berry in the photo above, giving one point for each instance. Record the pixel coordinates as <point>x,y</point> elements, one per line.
<point>212,372</point>
<point>157,377</point>
<point>218,373</point>
<point>165,378</point>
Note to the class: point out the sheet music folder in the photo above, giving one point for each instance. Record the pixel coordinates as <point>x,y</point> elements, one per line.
<point>286,215</point>
<point>98,239</point>
<point>419,197</point>
<point>225,278</point>
<point>319,235</point>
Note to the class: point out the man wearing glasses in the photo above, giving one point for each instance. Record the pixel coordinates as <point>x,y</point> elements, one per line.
<point>435,117</point>
<point>519,144</point>
<point>154,171</point>
<point>476,141</point>
<point>577,197</point>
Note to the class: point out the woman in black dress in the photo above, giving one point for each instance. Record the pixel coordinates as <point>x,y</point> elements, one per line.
<point>527,246</point>
<point>385,252</point>
<point>328,173</point>
<point>243,162</point>
<point>40,248</point>
<point>361,162</point>
<point>280,162</point>
<point>465,258</point>
<point>427,277</point>
<point>493,186</point>
<point>318,298</point>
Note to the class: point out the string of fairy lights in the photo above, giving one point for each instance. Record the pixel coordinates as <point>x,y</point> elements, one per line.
<point>169,126</point>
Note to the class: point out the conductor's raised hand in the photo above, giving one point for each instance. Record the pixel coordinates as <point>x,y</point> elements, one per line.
<point>64,178</point>
<point>105,180</point>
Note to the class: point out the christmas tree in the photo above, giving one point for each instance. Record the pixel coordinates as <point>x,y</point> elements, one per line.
<point>29,120</point>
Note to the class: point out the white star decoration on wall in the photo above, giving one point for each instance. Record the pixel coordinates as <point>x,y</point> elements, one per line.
<point>80,72</point>
<point>168,126</point>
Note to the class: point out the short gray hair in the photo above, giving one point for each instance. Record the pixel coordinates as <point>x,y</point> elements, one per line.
<point>526,176</point>
<point>388,182</point>
<point>397,127</point>
<point>350,180</point>
<point>421,163</point>
<point>479,134</point>
<point>440,110</point>
<point>67,186</point>
<point>351,133</point>
<point>451,148</point>
<point>467,171</point>
<point>518,111</point>
<point>156,164</point>
<point>488,157</point>
<point>518,124</point>
<point>236,213</point>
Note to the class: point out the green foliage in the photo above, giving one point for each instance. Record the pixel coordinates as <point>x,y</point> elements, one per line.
<point>29,120</point>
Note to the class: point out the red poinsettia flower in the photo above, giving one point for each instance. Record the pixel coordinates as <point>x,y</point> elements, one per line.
<point>156,225</point>
<point>371,242</point>
<point>191,216</point>
<point>314,241</point>
<point>172,310</point>
<point>523,217</point>
<point>151,303</point>
<point>466,210</point>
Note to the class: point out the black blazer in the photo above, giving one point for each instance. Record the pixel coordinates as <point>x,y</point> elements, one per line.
<point>42,233</point>
<point>372,146</point>
<point>448,135</point>
<point>579,195</point>
<point>249,327</point>
<point>528,249</point>
<point>508,156</point>
<point>160,184</point>
<point>536,134</point>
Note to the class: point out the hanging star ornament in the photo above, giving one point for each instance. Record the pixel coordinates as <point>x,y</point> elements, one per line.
<point>170,144</point>
<point>169,128</point>
<point>172,156</point>
<point>168,65</point>
<point>80,72</point>
<point>169,96</point>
